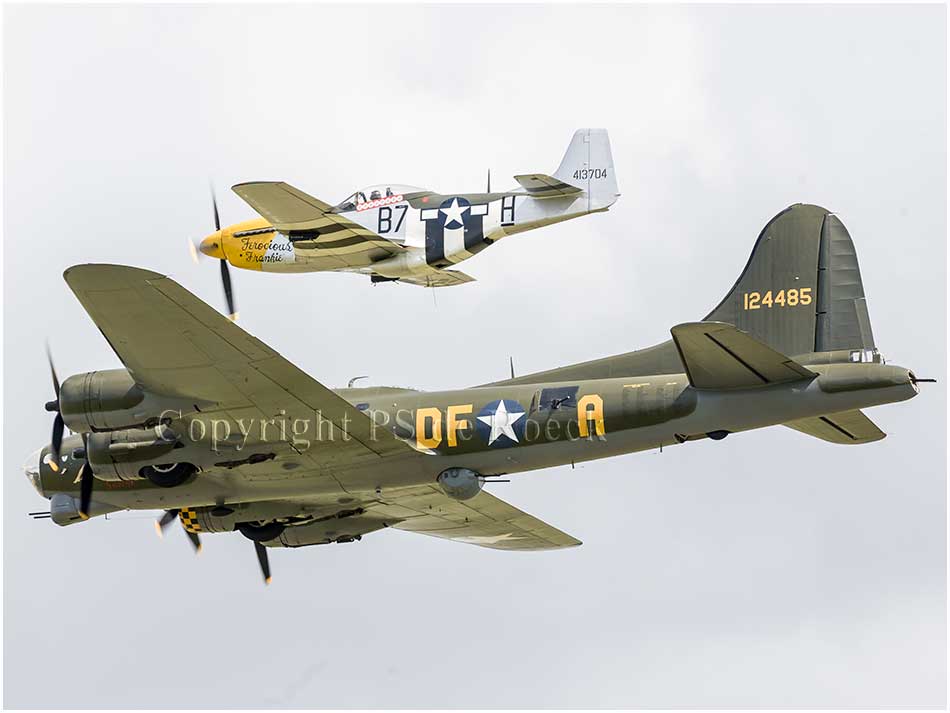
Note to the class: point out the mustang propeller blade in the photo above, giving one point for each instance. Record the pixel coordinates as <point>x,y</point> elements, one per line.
<point>263,561</point>
<point>193,251</point>
<point>225,272</point>
<point>228,292</point>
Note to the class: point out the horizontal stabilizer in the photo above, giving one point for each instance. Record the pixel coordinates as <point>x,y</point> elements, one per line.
<point>847,427</point>
<point>540,186</point>
<point>716,355</point>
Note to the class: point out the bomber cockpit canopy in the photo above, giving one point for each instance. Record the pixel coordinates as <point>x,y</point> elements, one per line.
<point>384,193</point>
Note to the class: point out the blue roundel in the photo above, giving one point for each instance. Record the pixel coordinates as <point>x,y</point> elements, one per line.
<point>501,423</point>
<point>453,211</point>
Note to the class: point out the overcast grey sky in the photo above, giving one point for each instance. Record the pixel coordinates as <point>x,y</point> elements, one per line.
<point>768,570</point>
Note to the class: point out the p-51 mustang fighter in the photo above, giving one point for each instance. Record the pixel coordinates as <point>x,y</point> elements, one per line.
<point>402,233</point>
<point>216,428</point>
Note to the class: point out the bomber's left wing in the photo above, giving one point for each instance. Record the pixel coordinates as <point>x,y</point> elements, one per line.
<point>174,344</point>
<point>483,520</point>
<point>324,232</point>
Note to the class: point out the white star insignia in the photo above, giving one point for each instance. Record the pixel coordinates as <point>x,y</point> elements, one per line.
<point>501,422</point>
<point>454,212</point>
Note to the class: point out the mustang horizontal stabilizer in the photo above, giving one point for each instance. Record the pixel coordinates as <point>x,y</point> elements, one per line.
<point>716,355</point>
<point>540,186</point>
<point>174,344</point>
<point>290,209</point>
<point>483,520</point>
<point>848,427</point>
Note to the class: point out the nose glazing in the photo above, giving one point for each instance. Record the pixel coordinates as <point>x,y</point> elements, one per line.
<point>32,470</point>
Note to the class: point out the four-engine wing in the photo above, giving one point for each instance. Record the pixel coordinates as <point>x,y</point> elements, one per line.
<point>174,344</point>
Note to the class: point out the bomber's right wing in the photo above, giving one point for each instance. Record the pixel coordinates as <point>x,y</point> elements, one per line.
<point>325,233</point>
<point>483,520</point>
<point>716,355</point>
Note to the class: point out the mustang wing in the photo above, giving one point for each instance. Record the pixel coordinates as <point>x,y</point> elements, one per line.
<point>438,278</point>
<point>483,520</point>
<point>174,344</point>
<point>324,232</point>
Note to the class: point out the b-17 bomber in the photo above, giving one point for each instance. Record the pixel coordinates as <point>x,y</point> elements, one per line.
<point>218,430</point>
<point>398,233</point>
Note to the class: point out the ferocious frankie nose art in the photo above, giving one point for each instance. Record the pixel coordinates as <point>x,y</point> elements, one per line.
<point>399,233</point>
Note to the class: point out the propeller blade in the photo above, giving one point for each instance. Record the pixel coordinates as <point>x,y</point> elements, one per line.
<point>263,561</point>
<point>193,251</point>
<point>56,443</point>
<point>52,371</point>
<point>86,479</point>
<point>228,292</point>
<point>57,439</point>
<point>214,205</point>
<point>164,521</point>
<point>195,540</point>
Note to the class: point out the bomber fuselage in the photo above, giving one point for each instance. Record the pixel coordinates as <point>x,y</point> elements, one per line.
<point>493,430</point>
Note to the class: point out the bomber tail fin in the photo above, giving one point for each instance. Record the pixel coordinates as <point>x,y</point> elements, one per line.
<point>801,290</point>
<point>589,165</point>
<point>799,293</point>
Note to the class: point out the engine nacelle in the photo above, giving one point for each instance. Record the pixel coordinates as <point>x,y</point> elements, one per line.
<point>120,455</point>
<point>336,529</point>
<point>460,483</point>
<point>226,518</point>
<point>109,400</point>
